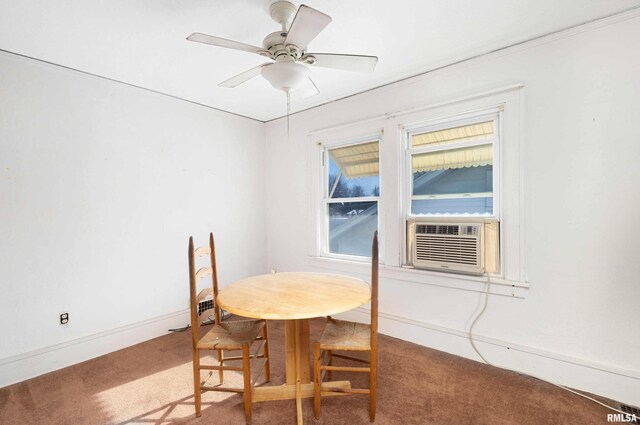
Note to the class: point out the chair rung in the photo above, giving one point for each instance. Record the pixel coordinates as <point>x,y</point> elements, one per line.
<point>236,358</point>
<point>222,389</point>
<point>212,367</point>
<point>346,368</point>
<point>329,390</point>
<point>231,359</point>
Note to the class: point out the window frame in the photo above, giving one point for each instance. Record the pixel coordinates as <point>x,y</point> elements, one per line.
<point>392,211</point>
<point>491,114</point>
<point>324,249</point>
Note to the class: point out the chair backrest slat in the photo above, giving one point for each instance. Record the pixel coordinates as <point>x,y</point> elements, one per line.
<point>204,271</point>
<point>203,250</point>
<point>204,294</point>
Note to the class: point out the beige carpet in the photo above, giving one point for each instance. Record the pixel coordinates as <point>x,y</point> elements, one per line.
<point>151,383</point>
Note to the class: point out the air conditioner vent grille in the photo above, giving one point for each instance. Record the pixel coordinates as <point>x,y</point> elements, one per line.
<point>447,249</point>
<point>631,410</point>
<point>437,229</point>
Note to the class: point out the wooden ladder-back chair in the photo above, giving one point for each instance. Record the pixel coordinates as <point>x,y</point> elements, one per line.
<point>236,335</point>
<point>341,335</point>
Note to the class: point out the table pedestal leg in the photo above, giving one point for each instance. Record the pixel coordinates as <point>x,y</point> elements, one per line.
<point>298,329</point>
<point>297,340</point>
<point>298,378</point>
<point>297,360</point>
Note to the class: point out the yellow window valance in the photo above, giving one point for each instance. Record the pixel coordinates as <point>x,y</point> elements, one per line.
<point>360,160</point>
<point>465,133</point>
<point>455,158</point>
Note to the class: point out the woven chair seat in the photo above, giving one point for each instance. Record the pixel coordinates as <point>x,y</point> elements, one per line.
<point>231,335</point>
<point>344,335</point>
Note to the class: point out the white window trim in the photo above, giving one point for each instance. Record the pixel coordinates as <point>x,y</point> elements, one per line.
<point>391,204</point>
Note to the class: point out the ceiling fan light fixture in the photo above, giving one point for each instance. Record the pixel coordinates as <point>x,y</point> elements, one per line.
<point>285,76</point>
<point>288,49</point>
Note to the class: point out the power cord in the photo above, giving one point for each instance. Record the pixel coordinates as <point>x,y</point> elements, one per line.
<point>475,320</point>
<point>223,315</point>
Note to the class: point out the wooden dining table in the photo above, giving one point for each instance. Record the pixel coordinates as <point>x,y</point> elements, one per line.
<point>294,298</point>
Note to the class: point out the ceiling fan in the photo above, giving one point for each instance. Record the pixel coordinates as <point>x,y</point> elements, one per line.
<point>287,49</point>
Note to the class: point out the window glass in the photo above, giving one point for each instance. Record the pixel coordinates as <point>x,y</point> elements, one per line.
<point>354,171</point>
<point>459,180</point>
<point>351,226</point>
<point>352,191</point>
<point>455,181</point>
<point>453,206</point>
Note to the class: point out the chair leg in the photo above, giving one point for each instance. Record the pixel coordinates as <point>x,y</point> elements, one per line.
<point>220,363</point>
<point>329,363</point>
<point>316,380</point>
<point>196,382</point>
<point>373,366</point>
<point>246,372</point>
<point>265,352</point>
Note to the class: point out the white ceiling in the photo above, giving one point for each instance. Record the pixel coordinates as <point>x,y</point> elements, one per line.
<point>142,42</point>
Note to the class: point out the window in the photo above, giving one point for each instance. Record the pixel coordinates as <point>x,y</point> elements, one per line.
<point>451,162</point>
<point>351,190</point>
<point>452,168</point>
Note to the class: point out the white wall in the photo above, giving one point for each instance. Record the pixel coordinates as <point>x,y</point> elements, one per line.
<point>578,322</point>
<point>101,185</point>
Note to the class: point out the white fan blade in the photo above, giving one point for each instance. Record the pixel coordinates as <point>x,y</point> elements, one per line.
<point>356,63</point>
<point>307,89</point>
<point>242,77</point>
<point>223,42</point>
<point>306,25</point>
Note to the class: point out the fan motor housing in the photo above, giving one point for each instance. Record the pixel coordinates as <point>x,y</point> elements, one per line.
<point>274,39</point>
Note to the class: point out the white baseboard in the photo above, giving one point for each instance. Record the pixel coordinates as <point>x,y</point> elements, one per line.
<point>37,362</point>
<point>609,381</point>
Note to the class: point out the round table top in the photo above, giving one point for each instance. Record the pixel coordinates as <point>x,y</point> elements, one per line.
<point>287,296</point>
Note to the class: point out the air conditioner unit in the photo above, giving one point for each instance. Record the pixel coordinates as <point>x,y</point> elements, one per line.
<point>463,247</point>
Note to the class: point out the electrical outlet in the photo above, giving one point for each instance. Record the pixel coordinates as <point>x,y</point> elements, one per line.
<point>64,318</point>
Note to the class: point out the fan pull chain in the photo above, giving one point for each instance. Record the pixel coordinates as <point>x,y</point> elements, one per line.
<point>288,109</point>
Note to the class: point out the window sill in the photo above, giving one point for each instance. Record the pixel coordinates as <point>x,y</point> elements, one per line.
<point>499,285</point>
